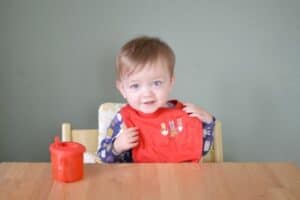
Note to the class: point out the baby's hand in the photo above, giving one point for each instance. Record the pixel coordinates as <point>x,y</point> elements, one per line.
<point>127,139</point>
<point>195,111</point>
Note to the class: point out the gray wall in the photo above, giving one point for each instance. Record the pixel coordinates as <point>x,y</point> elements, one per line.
<point>237,59</point>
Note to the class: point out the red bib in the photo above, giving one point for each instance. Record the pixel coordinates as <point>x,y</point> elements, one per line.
<point>168,135</point>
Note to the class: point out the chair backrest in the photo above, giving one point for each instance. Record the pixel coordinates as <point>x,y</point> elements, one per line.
<point>87,137</point>
<point>215,154</point>
<point>90,137</point>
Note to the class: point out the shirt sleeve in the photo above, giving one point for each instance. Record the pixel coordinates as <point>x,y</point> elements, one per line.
<point>105,152</point>
<point>208,137</point>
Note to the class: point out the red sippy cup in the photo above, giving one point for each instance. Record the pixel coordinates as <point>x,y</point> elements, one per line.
<point>66,160</point>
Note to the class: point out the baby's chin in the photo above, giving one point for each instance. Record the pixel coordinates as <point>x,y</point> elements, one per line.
<point>149,107</point>
<point>148,111</point>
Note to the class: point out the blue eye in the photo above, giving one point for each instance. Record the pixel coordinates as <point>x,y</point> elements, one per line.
<point>134,86</point>
<point>157,83</point>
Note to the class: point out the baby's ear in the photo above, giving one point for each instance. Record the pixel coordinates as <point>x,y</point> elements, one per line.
<point>120,87</point>
<point>172,80</point>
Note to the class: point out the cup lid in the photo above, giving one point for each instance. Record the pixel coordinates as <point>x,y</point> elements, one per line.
<point>66,147</point>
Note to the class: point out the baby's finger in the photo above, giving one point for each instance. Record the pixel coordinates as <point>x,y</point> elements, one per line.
<point>134,144</point>
<point>132,134</point>
<point>187,110</point>
<point>134,138</point>
<point>195,115</point>
<point>132,129</point>
<point>187,103</point>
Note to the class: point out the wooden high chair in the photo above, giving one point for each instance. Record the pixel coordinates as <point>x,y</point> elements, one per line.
<point>86,137</point>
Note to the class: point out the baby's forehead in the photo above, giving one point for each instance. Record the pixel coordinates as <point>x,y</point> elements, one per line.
<point>147,69</point>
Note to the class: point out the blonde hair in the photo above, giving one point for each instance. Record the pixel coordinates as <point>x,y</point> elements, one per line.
<point>140,51</point>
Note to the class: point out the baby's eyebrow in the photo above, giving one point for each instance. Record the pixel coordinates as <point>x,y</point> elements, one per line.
<point>158,77</point>
<point>134,80</point>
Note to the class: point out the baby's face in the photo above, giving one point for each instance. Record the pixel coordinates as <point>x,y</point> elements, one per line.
<point>148,89</point>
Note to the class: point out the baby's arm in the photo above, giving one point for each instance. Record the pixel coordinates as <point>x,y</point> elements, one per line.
<point>208,137</point>
<point>200,113</point>
<point>126,140</point>
<point>106,152</point>
<point>208,124</point>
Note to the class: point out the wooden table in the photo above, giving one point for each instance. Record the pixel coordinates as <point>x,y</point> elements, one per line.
<point>155,181</point>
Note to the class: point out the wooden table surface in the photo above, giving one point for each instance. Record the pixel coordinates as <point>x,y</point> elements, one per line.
<point>154,181</point>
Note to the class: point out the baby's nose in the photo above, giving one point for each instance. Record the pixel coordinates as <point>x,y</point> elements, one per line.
<point>147,91</point>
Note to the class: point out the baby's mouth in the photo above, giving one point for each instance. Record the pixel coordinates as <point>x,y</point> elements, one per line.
<point>149,102</point>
